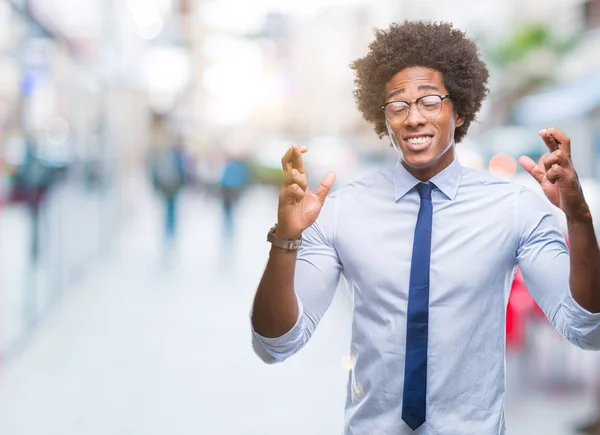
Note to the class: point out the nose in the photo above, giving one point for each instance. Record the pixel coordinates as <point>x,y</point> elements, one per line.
<point>414,118</point>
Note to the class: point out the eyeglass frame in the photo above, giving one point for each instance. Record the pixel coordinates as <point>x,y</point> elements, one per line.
<point>415,101</point>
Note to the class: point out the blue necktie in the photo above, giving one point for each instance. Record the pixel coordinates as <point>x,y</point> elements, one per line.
<point>415,367</point>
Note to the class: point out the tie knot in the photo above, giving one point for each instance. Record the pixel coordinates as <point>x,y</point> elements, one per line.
<point>425,190</point>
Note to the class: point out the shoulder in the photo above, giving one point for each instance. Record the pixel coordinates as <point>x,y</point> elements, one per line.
<point>522,194</point>
<point>477,185</point>
<point>477,178</point>
<point>354,196</point>
<point>366,184</point>
<point>521,187</point>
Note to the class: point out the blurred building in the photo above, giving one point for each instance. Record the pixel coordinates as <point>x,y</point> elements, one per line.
<point>78,85</point>
<point>572,101</point>
<point>298,63</point>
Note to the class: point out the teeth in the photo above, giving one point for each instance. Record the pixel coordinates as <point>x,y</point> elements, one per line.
<point>418,140</point>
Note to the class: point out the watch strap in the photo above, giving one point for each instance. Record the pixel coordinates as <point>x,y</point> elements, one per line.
<point>290,245</point>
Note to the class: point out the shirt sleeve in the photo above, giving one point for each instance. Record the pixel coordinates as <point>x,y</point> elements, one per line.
<point>543,257</point>
<point>316,278</point>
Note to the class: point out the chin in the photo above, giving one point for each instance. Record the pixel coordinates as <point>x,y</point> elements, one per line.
<point>420,162</point>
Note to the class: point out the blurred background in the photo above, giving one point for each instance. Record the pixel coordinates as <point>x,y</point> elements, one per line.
<point>140,144</point>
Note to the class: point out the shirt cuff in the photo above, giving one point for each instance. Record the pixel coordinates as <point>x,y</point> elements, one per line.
<point>280,348</point>
<point>580,319</point>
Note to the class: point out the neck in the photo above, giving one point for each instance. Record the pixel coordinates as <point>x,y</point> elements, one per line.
<point>426,173</point>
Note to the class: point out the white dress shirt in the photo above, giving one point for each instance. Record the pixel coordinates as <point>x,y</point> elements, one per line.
<point>483,228</point>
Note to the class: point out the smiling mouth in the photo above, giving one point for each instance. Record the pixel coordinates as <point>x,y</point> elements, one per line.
<point>417,143</point>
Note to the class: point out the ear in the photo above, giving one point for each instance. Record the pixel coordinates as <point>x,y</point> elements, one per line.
<point>459,120</point>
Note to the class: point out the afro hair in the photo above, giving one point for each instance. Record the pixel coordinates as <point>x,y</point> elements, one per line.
<point>438,46</point>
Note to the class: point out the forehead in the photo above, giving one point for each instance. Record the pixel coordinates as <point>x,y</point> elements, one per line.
<point>412,78</point>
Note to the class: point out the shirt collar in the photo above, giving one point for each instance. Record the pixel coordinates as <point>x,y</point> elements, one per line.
<point>446,181</point>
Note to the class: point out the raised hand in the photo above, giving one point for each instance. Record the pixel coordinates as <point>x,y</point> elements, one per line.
<point>298,206</point>
<point>557,176</point>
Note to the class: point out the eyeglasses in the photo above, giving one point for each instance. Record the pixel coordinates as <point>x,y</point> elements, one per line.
<point>429,106</point>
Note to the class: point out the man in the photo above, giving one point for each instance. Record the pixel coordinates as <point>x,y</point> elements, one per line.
<point>235,179</point>
<point>168,173</point>
<point>428,248</point>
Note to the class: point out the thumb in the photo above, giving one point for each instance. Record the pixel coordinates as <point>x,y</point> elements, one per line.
<point>325,187</point>
<point>534,170</point>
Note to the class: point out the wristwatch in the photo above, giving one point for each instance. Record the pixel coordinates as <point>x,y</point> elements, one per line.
<point>290,245</point>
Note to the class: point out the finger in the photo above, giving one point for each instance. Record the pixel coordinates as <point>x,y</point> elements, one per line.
<point>554,173</point>
<point>286,160</point>
<point>555,158</point>
<point>563,141</point>
<point>534,170</point>
<point>297,193</point>
<point>326,185</point>
<point>298,178</point>
<point>294,192</point>
<point>297,158</point>
<point>542,162</point>
<point>295,177</point>
<point>548,140</point>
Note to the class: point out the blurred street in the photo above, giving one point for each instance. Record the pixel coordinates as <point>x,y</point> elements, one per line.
<point>148,346</point>
<point>140,162</point>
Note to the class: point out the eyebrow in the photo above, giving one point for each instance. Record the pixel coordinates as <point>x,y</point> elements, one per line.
<point>420,88</point>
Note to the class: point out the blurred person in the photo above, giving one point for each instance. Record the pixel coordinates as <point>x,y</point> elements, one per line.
<point>428,247</point>
<point>234,179</point>
<point>169,177</point>
<point>32,181</point>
